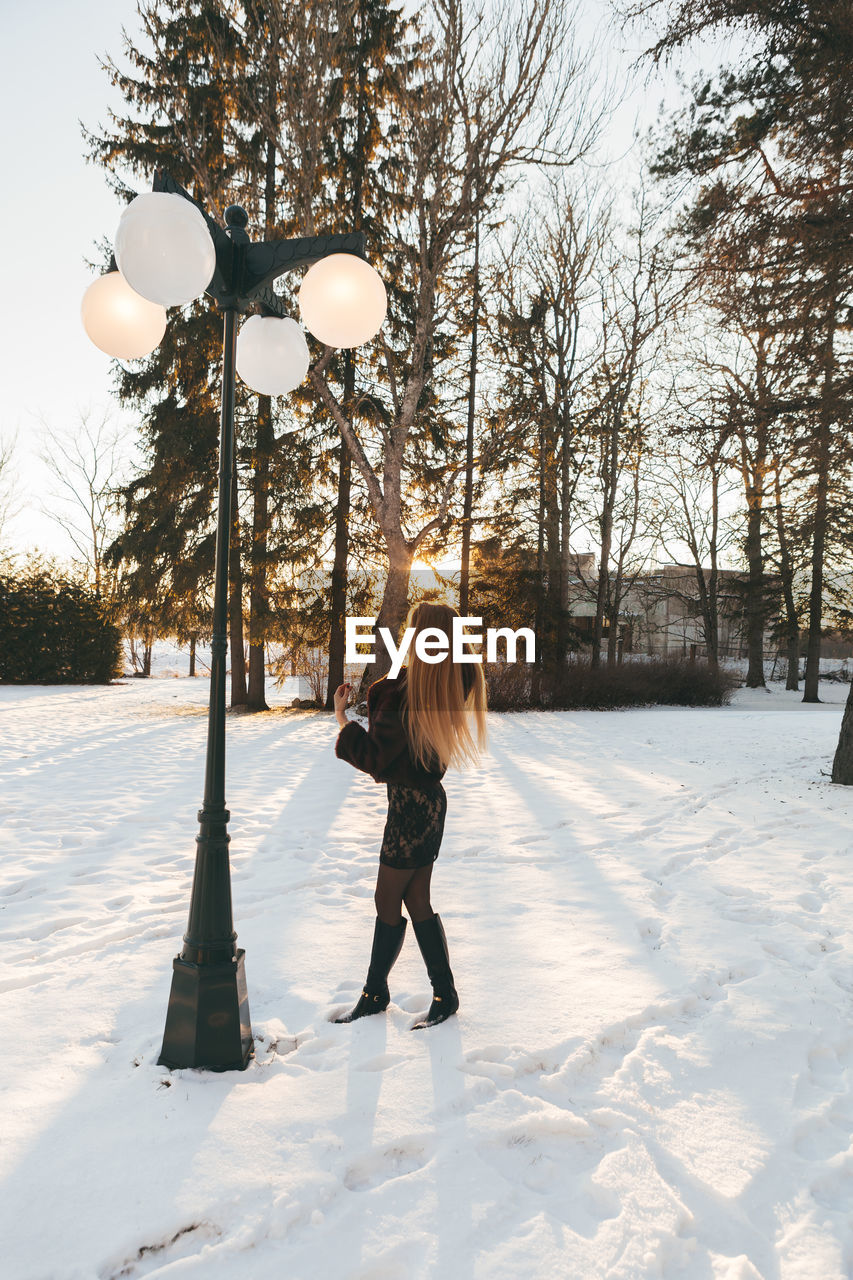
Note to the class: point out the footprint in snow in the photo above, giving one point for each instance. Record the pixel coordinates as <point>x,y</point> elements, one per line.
<point>779,951</point>
<point>316,1045</point>
<point>823,946</point>
<point>828,1063</point>
<point>406,1157</point>
<point>20,886</point>
<point>488,1062</point>
<point>676,862</point>
<point>649,930</point>
<point>274,1046</point>
<point>821,1137</point>
<point>834,1190</point>
<point>537,1152</point>
<point>55,926</point>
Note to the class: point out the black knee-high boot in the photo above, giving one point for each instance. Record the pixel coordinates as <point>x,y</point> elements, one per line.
<point>433,944</point>
<point>387,942</point>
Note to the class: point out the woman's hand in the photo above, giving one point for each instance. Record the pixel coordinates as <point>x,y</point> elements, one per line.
<point>342,694</point>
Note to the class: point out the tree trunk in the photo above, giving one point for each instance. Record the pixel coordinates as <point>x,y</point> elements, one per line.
<point>601,593</point>
<point>392,614</point>
<point>606,527</point>
<point>552,553</point>
<point>754,470</point>
<point>468,501</point>
<point>810,687</point>
<point>824,439</point>
<point>566,352</point>
<point>708,605</point>
<point>539,623</point>
<point>711,599</point>
<point>258,595</point>
<point>564,615</point>
<point>712,639</point>
<point>614,604</point>
<point>842,765</point>
<point>786,574</point>
<point>235,608</point>
<point>755,585</point>
<point>259,605</point>
<point>338,594</point>
<point>793,681</point>
<point>612,636</point>
<point>610,465</point>
<point>192,655</point>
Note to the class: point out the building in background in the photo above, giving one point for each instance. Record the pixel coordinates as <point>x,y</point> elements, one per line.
<point>660,615</point>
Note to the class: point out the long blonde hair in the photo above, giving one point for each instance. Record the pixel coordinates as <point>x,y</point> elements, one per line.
<point>436,711</point>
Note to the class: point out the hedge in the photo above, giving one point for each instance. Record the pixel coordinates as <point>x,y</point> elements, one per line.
<point>54,631</point>
<point>652,682</point>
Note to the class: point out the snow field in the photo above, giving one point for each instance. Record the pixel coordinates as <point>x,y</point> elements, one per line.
<point>651,1074</point>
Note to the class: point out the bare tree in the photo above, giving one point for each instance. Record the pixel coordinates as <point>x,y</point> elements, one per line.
<point>634,306</point>
<point>84,464</point>
<point>498,93</point>
<point>9,504</point>
<point>692,483</point>
<point>543,345</point>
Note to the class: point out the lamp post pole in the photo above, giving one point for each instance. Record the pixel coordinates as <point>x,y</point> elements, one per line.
<point>207,1022</point>
<point>208,1017</point>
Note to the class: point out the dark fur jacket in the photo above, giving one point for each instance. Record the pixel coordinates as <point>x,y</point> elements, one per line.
<point>382,749</point>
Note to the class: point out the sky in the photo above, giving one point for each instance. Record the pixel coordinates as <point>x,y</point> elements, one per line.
<point>56,207</point>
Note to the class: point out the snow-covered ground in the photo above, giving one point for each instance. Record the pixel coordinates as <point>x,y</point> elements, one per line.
<point>651,1074</point>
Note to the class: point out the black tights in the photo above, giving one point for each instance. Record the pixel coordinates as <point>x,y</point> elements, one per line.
<point>394,887</point>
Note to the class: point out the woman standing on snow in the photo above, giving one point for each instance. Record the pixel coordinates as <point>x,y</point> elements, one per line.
<point>417,726</point>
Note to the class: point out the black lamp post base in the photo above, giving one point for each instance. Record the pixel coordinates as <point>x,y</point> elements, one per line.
<point>207,1023</point>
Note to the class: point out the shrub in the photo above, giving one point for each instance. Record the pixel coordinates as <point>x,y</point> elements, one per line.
<point>54,631</point>
<point>508,685</point>
<point>655,681</point>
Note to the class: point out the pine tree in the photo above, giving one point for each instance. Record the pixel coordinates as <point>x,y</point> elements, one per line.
<point>179,118</point>
<point>770,145</point>
<point>308,73</point>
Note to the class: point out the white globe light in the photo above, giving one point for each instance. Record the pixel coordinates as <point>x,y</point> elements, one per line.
<point>164,249</point>
<point>272,355</point>
<point>119,321</point>
<point>342,300</point>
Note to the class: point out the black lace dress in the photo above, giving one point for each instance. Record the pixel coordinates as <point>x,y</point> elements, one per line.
<point>417,802</point>
<point>414,826</point>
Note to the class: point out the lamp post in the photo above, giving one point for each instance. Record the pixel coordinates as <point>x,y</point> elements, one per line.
<point>169,251</point>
